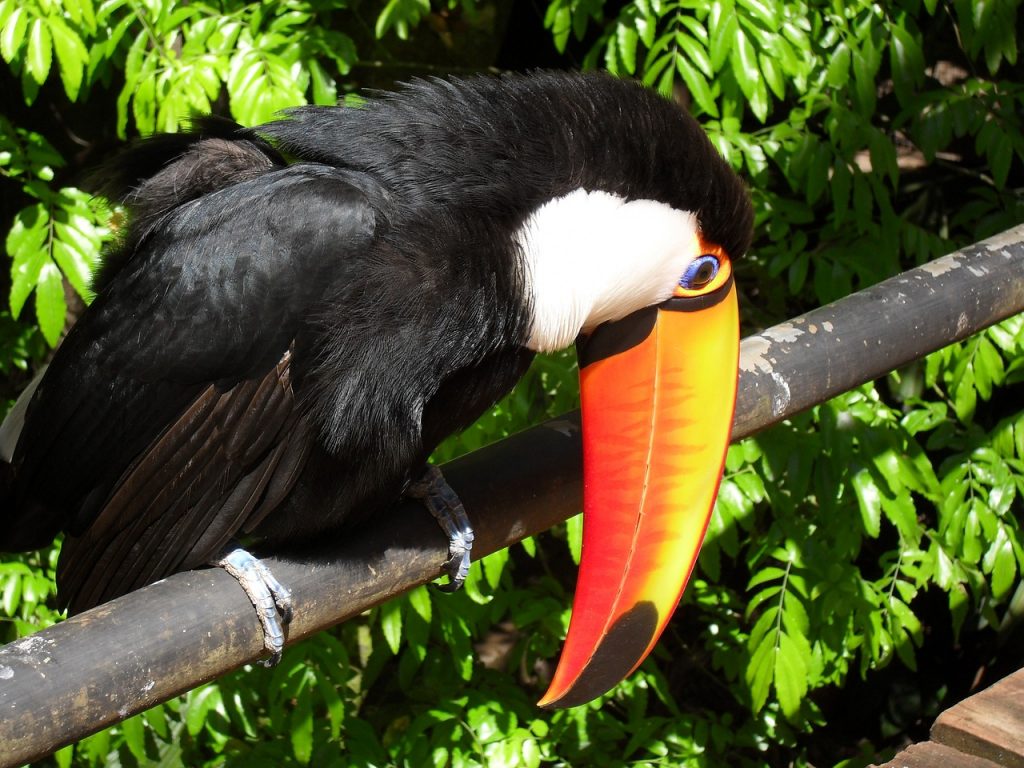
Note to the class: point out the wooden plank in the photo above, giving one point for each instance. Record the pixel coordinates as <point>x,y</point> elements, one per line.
<point>928,754</point>
<point>989,724</point>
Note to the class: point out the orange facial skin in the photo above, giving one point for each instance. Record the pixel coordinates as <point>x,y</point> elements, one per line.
<point>658,391</point>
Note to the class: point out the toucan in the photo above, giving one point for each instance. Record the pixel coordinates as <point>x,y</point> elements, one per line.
<point>329,295</point>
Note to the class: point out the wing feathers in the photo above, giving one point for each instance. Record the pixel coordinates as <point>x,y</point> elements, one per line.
<point>172,385</point>
<point>204,479</point>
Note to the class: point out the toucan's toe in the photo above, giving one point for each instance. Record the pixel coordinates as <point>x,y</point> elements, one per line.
<point>446,507</point>
<point>272,600</point>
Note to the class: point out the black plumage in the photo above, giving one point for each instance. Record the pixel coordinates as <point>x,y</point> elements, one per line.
<point>334,314</point>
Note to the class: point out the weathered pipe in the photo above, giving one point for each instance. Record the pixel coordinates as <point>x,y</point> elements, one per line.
<point>107,664</point>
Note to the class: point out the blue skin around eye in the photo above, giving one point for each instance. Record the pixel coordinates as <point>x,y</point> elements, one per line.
<point>690,275</point>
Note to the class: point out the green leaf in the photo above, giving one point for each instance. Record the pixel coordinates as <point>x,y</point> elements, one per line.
<point>838,73</point>
<point>762,10</point>
<point>869,499</point>
<point>558,19</point>
<point>63,757</point>
<point>29,88</point>
<point>798,273</point>
<point>198,705</point>
<point>947,574</point>
<point>11,599</point>
<point>883,156</point>
<point>334,705</point>
<point>695,53</point>
<point>156,718</point>
<point>647,28</point>
<point>724,27</point>
<point>13,33</point>
<point>864,83</point>
<point>51,308</point>
<point>71,55</point>
<point>771,573</point>
<point>761,597</point>
<point>261,83</point>
<point>667,81</point>
<point>1004,566</point>
<point>759,673</point>
<point>988,367</point>
<point>391,624</point>
<point>698,87</point>
<point>419,600</point>
<point>906,61</point>
<point>96,748</point>
<point>529,545</point>
<point>902,513</point>
<point>656,65</point>
<point>143,97</point>
<point>39,54</point>
<point>76,265</point>
<point>773,75</point>
<point>765,628</point>
<point>494,566</point>
<point>744,62</point>
<point>819,164</point>
<point>301,727</point>
<point>574,535</point>
<point>7,9</point>
<point>925,418</point>
<point>135,737</point>
<point>400,15</point>
<point>903,639</point>
<point>1000,155</point>
<point>790,676</point>
<point>26,243</point>
<point>325,90</point>
<point>627,39</point>
<point>965,396</point>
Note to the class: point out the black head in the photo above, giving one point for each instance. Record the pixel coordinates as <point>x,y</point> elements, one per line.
<point>504,145</point>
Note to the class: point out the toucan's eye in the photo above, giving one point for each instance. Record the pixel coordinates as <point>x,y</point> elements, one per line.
<point>701,271</point>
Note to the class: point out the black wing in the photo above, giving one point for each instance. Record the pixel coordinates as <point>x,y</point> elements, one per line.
<point>167,421</point>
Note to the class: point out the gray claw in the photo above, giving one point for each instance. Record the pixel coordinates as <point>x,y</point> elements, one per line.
<point>267,594</point>
<point>444,504</point>
<point>460,546</point>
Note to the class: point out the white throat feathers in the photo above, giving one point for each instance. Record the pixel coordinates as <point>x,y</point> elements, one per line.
<point>578,275</point>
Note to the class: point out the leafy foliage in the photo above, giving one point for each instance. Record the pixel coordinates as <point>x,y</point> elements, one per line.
<point>861,545</point>
<point>57,237</point>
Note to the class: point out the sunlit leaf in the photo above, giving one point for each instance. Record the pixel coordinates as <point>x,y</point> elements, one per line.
<point>574,532</point>
<point>790,675</point>
<point>135,737</point>
<point>71,55</point>
<point>39,53</point>
<point>13,33</point>
<point>391,624</point>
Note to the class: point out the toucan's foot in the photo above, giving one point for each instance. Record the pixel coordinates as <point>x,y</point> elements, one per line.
<point>267,594</point>
<point>435,493</point>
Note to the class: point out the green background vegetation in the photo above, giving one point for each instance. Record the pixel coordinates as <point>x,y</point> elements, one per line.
<point>863,568</point>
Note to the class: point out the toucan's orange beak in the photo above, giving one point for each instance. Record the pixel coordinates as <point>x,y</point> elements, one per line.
<point>658,390</point>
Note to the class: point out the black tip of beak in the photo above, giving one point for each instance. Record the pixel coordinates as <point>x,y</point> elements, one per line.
<point>626,641</point>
